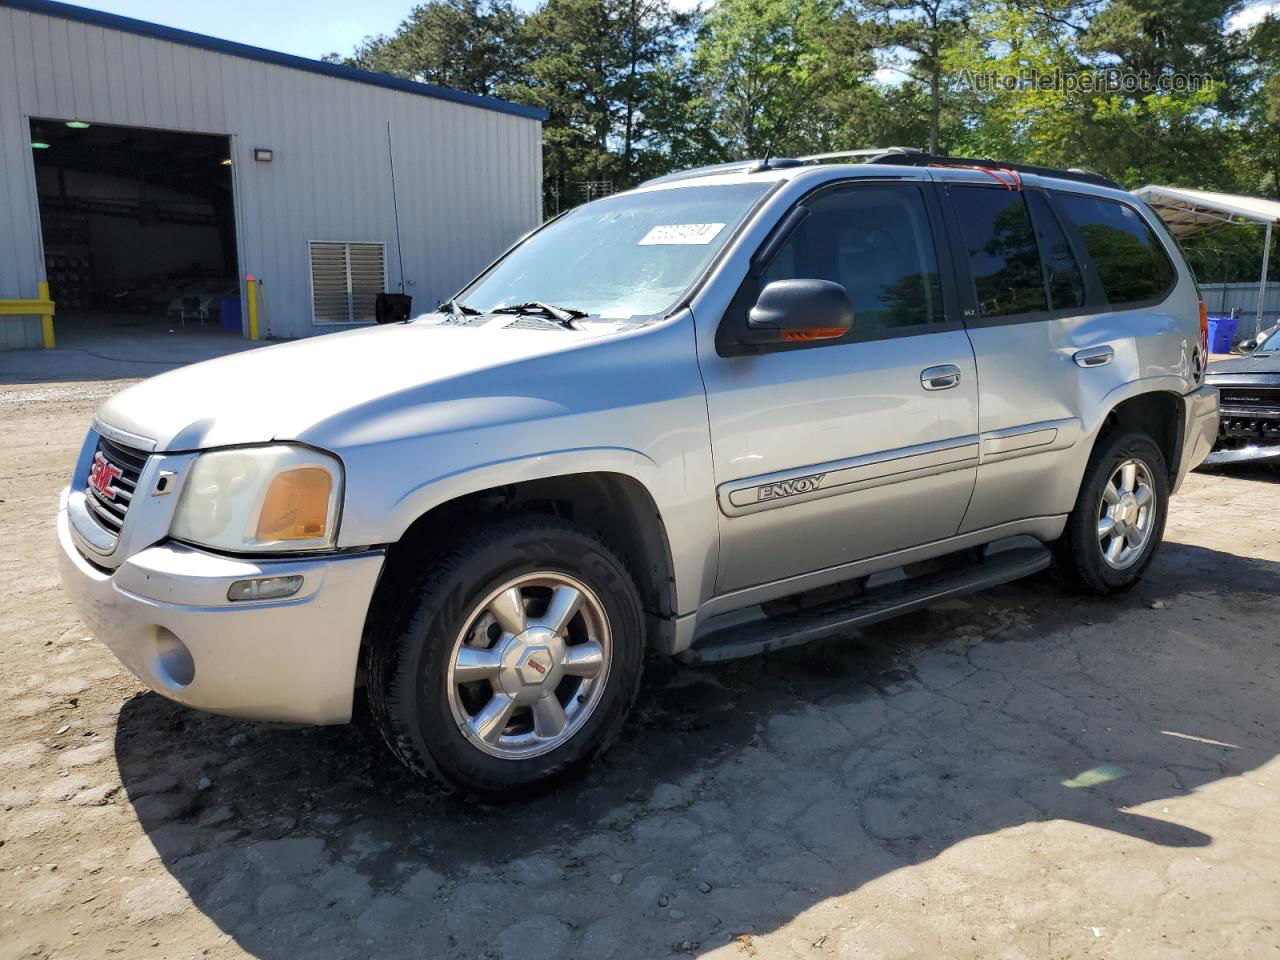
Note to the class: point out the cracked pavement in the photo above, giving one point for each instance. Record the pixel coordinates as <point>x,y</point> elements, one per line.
<point>1018,774</point>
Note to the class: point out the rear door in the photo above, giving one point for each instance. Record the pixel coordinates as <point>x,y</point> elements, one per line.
<point>1050,340</point>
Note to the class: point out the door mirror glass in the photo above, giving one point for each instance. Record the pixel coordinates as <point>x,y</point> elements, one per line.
<point>799,311</point>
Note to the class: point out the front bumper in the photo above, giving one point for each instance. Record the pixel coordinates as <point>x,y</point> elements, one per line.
<point>1252,453</point>
<point>164,613</point>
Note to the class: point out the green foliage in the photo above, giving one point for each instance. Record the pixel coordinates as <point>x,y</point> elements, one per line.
<point>465,44</point>
<point>773,69</point>
<point>635,88</point>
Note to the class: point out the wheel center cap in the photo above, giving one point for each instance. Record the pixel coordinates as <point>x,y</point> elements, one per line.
<point>532,664</point>
<point>1128,508</point>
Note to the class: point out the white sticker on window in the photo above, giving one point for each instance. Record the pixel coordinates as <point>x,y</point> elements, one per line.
<point>696,234</point>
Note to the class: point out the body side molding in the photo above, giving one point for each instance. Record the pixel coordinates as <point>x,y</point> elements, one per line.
<point>768,491</point>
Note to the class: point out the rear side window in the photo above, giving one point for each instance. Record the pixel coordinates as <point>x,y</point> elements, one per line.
<point>1062,272</point>
<point>1001,246</point>
<point>875,241</point>
<point>1132,265</point>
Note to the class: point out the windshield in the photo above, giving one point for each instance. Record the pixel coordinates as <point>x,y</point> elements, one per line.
<point>1272,342</point>
<point>626,256</point>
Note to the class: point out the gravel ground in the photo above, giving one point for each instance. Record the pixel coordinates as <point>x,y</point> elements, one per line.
<point>1022,774</point>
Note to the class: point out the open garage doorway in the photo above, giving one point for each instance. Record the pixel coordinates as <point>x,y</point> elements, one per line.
<point>139,236</point>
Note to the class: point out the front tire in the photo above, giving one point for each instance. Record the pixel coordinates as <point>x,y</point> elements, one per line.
<point>1117,524</point>
<point>515,658</point>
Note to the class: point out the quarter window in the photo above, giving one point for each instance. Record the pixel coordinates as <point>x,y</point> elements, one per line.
<point>875,241</point>
<point>1132,265</point>
<point>1001,244</point>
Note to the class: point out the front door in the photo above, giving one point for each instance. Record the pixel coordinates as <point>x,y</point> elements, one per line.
<point>831,452</point>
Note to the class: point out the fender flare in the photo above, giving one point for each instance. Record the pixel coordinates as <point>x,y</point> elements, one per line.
<point>443,488</point>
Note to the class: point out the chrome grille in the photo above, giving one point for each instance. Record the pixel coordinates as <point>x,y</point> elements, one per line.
<point>123,466</point>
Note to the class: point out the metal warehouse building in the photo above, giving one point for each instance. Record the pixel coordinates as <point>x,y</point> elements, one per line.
<point>146,172</point>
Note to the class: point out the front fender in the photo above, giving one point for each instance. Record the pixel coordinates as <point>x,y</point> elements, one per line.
<point>441,489</point>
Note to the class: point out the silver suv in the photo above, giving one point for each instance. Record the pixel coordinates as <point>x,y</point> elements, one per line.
<point>729,411</point>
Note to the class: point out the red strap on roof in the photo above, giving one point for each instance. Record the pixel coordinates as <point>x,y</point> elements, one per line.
<point>1009,179</point>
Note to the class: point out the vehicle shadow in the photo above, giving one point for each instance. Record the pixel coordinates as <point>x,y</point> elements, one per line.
<point>739,796</point>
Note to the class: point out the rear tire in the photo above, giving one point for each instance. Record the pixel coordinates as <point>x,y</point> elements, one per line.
<point>1117,524</point>
<point>515,658</point>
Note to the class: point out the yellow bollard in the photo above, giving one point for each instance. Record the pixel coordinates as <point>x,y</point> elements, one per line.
<point>46,319</point>
<point>251,295</point>
<point>41,307</point>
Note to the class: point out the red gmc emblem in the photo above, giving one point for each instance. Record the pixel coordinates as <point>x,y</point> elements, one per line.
<point>101,474</point>
<point>536,665</point>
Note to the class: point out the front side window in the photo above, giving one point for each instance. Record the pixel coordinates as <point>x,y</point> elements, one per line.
<point>633,255</point>
<point>1001,246</point>
<point>875,241</point>
<point>1131,262</point>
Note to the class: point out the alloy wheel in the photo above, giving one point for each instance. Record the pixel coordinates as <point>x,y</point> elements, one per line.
<point>529,666</point>
<point>1126,514</point>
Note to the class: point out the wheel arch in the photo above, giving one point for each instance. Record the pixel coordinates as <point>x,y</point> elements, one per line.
<point>1159,413</point>
<point>616,506</point>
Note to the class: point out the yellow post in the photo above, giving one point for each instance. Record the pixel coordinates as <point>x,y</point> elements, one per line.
<point>251,295</point>
<point>46,319</point>
<point>41,307</point>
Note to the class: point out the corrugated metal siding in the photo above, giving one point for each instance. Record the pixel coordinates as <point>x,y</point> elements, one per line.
<point>1224,297</point>
<point>468,180</point>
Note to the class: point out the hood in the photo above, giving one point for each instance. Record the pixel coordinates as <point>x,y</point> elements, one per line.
<point>1268,362</point>
<point>288,391</point>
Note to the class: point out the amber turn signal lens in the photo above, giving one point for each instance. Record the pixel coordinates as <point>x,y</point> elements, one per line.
<point>817,333</point>
<point>296,506</point>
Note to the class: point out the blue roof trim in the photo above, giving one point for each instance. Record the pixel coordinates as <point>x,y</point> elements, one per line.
<point>156,31</point>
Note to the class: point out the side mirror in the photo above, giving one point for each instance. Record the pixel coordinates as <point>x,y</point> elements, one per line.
<point>799,311</point>
<point>1247,346</point>
<point>392,307</point>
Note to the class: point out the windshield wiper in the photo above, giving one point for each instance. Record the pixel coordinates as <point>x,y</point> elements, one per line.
<point>457,309</point>
<point>562,315</point>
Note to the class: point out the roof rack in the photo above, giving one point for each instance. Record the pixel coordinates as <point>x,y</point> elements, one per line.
<point>918,158</point>
<point>774,163</point>
<point>899,156</point>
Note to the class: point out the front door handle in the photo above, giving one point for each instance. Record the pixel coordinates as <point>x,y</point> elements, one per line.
<point>943,377</point>
<point>1094,356</point>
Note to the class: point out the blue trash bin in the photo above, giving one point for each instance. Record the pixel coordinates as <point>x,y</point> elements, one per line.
<point>229,314</point>
<point>1222,332</point>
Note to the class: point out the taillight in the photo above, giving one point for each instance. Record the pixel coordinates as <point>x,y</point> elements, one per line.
<point>1204,330</point>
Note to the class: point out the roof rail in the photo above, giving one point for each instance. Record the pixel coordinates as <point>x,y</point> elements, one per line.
<point>899,156</point>
<point>736,166</point>
<point>773,163</point>
<point>921,159</point>
<point>866,152</point>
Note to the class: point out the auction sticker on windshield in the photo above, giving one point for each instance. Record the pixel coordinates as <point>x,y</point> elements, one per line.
<point>696,234</point>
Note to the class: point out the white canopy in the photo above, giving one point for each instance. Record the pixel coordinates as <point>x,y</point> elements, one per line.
<point>1189,211</point>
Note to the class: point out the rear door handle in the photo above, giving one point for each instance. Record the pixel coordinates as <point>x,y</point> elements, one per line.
<point>942,377</point>
<point>1094,356</point>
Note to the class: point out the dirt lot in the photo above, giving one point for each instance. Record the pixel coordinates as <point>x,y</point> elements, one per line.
<point>1019,775</point>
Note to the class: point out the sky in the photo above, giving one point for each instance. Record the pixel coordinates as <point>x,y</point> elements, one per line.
<point>316,27</point>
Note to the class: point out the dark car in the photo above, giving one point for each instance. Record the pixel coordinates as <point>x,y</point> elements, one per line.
<point>1248,402</point>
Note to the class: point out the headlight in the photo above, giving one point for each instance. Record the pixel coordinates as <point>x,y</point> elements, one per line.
<point>260,499</point>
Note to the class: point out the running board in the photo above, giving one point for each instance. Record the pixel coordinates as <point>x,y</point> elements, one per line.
<point>880,603</point>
